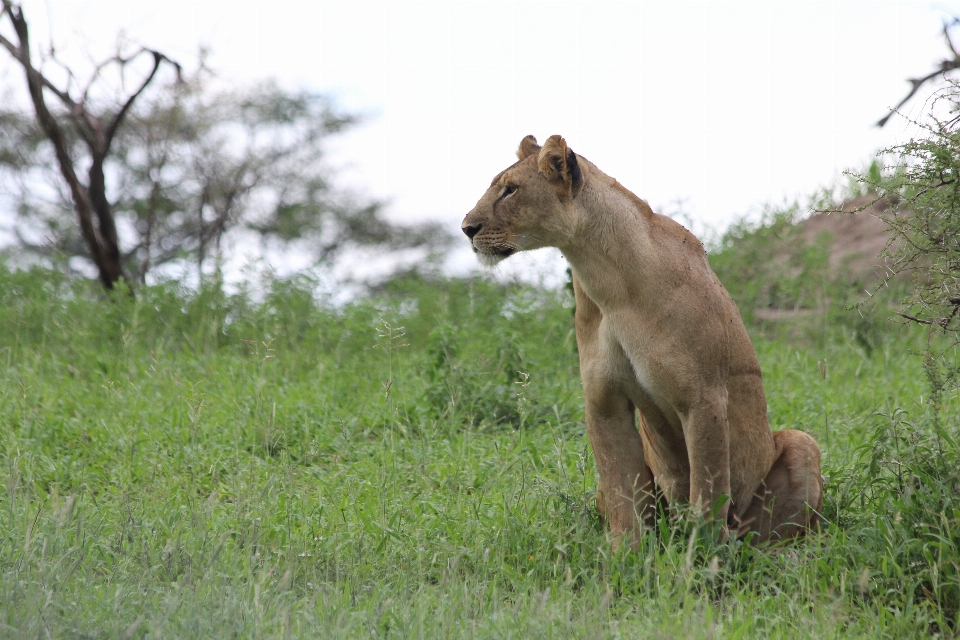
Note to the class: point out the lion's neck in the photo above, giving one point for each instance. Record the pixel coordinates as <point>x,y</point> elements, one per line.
<point>613,252</point>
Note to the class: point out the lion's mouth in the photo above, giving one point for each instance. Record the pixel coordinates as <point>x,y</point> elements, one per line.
<point>491,255</point>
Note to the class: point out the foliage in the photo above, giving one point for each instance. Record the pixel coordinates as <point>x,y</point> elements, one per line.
<point>925,223</point>
<point>923,182</point>
<point>765,265</point>
<point>194,165</point>
<point>192,463</point>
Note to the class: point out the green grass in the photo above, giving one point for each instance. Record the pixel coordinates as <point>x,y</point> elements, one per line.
<point>192,464</point>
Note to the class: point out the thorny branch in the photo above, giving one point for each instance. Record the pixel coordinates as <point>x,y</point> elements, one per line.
<point>945,66</point>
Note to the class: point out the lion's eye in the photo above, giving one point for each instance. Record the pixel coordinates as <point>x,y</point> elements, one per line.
<point>508,190</point>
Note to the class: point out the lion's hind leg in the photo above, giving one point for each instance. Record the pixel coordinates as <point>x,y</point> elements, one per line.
<point>790,497</point>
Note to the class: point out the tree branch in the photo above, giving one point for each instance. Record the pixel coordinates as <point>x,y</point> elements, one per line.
<point>158,58</point>
<point>22,54</point>
<point>915,319</point>
<point>945,66</point>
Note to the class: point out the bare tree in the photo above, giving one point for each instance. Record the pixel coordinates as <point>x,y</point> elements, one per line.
<point>94,213</point>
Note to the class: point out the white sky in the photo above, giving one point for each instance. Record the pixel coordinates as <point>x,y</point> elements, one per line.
<point>721,105</point>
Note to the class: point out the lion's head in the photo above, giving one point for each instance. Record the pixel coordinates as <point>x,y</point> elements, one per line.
<point>529,205</point>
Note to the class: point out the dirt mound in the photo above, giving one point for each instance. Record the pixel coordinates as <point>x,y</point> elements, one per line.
<point>790,269</point>
<point>858,234</point>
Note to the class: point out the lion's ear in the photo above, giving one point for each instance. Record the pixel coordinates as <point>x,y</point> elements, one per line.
<point>528,147</point>
<point>558,163</point>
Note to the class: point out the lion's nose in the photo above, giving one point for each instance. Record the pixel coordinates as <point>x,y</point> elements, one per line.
<point>471,229</point>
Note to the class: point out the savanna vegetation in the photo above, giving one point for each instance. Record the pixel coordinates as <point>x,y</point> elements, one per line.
<point>205,462</point>
<point>192,463</point>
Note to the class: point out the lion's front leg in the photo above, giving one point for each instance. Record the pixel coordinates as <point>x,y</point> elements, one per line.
<point>707,433</point>
<point>626,490</point>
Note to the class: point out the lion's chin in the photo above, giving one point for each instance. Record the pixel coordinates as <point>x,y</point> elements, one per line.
<point>494,258</point>
<point>490,259</point>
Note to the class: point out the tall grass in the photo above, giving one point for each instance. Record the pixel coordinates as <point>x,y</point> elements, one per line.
<point>197,464</point>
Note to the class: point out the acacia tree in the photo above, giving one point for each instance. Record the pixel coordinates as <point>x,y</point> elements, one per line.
<point>96,132</point>
<point>922,188</point>
<point>924,184</point>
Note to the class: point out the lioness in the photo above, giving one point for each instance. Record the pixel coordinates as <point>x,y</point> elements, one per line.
<point>656,331</point>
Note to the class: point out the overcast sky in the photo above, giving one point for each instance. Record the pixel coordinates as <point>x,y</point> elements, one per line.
<point>719,105</point>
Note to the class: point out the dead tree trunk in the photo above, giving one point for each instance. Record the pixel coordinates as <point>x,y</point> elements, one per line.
<point>94,213</point>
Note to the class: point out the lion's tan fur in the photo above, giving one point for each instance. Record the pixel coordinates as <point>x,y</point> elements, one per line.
<point>656,332</point>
